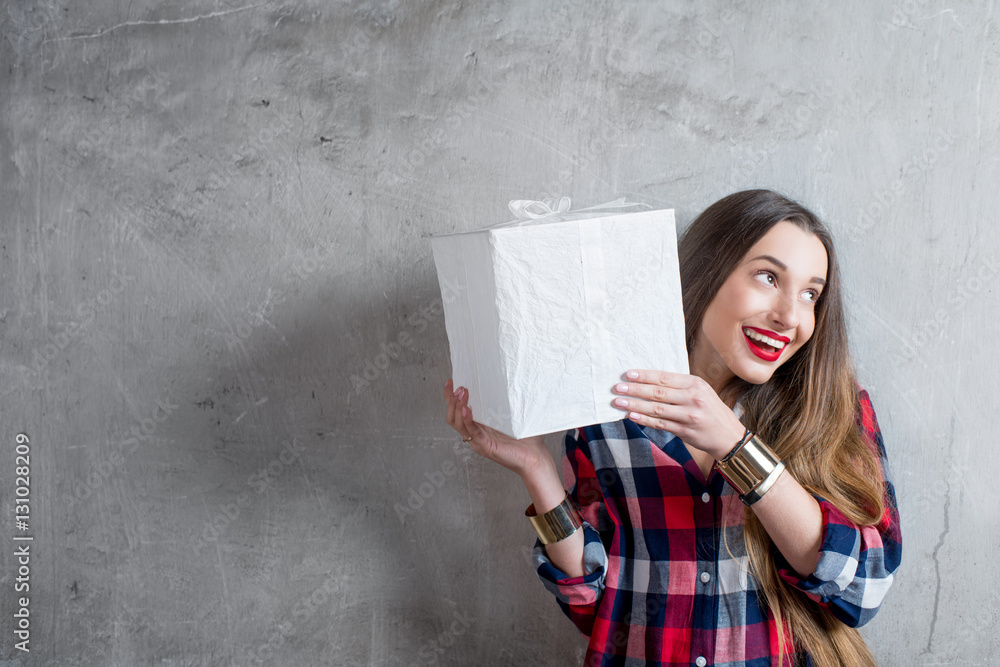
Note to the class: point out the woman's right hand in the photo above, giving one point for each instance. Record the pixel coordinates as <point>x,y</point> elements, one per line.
<point>530,459</point>
<point>527,456</point>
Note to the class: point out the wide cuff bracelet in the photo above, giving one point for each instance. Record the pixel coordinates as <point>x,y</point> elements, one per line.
<point>558,523</point>
<point>748,466</point>
<point>758,492</point>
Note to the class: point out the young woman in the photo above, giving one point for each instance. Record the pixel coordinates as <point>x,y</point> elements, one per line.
<point>739,515</point>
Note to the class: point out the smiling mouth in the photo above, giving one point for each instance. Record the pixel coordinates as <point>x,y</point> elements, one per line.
<point>764,346</point>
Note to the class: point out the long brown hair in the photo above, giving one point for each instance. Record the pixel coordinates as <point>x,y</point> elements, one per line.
<point>805,412</point>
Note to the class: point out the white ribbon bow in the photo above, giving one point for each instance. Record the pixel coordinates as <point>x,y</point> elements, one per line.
<point>528,211</point>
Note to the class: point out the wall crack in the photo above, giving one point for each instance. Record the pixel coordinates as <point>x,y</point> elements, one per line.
<point>126,24</point>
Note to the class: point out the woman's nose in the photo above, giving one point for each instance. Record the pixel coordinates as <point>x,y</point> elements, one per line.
<point>783,312</point>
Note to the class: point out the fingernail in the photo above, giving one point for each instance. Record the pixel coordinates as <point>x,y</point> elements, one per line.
<point>465,412</point>
<point>633,374</point>
<point>621,402</point>
<point>622,388</point>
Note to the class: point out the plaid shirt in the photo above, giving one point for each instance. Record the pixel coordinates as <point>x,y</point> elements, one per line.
<point>665,584</point>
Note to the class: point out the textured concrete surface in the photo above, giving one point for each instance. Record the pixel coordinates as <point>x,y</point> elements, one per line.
<point>215,215</point>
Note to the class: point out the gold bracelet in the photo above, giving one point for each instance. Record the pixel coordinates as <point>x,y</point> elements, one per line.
<point>758,492</point>
<point>751,470</point>
<point>558,523</point>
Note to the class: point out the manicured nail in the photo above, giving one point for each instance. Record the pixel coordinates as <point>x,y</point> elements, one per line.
<point>621,402</point>
<point>622,388</point>
<point>634,416</point>
<point>633,374</point>
<point>465,412</point>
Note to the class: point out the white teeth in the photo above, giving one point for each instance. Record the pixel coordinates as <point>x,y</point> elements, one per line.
<point>776,344</point>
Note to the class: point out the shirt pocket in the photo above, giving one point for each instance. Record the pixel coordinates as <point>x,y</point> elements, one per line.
<point>734,575</point>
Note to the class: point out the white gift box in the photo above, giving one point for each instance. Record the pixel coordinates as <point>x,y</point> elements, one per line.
<point>546,315</point>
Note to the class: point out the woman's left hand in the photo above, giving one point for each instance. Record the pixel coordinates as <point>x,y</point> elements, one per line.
<point>685,405</point>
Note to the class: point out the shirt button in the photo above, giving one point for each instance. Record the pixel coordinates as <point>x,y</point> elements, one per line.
<point>705,577</point>
<point>700,661</point>
<point>705,497</point>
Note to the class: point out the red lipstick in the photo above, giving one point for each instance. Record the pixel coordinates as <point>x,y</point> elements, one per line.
<point>762,350</point>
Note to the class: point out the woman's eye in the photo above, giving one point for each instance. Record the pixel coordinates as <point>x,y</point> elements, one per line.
<point>811,296</point>
<point>765,277</point>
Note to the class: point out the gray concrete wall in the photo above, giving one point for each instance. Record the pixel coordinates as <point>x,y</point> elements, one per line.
<point>215,214</point>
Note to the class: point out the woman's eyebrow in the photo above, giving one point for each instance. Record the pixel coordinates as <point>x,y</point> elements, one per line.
<point>774,260</point>
<point>781,265</point>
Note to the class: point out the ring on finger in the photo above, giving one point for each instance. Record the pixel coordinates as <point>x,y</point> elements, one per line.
<point>467,439</point>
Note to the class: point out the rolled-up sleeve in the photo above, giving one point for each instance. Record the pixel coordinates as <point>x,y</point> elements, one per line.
<point>856,564</point>
<point>575,591</point>
<point>578,597</point>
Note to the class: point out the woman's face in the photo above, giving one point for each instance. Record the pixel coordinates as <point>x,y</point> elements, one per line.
<point>765,311</point>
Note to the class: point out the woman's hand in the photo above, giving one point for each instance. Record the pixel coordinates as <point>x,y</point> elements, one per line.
<point>525,457</point>
<point>685,405</point>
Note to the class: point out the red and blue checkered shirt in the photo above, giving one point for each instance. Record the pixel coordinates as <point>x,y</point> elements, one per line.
<point>666,584</point>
